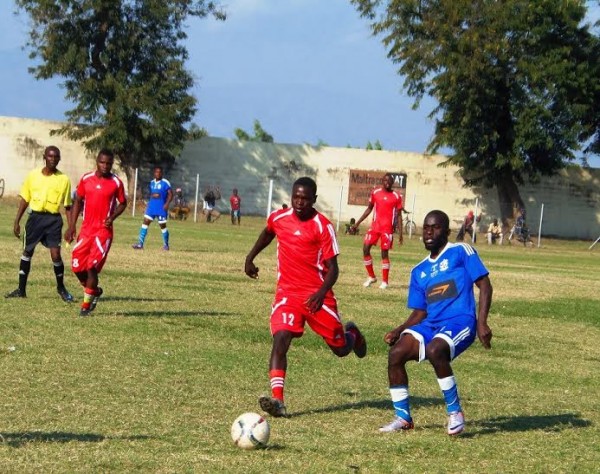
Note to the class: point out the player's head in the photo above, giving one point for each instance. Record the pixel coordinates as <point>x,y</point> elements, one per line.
<point>104,162</point>
<point>470,214</point>
<point>235,191</point>
<point>436,229</point>
<point>495,221</point>
<point>158,173</point>
<point>51,157</point>
<point>304,195</point>
<point>387,181</point>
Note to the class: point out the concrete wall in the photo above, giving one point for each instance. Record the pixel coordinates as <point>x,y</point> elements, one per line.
<point>571,200</point>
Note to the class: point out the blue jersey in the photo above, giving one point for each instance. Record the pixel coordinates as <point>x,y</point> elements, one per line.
<point>444,286</point>
<point>158,197</point>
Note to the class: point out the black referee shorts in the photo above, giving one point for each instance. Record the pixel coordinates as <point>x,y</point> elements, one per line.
<point>44,228</point>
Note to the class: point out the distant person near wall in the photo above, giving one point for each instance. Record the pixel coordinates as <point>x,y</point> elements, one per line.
<point>235,201</point>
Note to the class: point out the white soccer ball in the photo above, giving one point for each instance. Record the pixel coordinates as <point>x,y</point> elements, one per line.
<point>250,431</point>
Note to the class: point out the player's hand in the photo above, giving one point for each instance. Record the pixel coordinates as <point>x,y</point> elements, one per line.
<point>17,231</point>
<point>315,302</point>
<point>69,235</point>
<point>392,336</point>
<point>251,270</point>
<point>485,335</point>
<point>108,222</point>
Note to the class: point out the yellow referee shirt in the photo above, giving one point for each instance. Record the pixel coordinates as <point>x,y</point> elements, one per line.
<point>46,193</point>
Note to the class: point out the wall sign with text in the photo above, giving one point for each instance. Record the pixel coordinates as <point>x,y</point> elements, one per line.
<point>362,183</point>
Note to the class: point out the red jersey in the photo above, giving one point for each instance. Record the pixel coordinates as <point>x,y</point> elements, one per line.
<point>385,209</point>
<point>100,196</point>
<point>235,202</point>
<point>302,247</point>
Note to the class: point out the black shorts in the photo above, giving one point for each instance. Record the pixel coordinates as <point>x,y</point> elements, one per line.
<point>43,228</point>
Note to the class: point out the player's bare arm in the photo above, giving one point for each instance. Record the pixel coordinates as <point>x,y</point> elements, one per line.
<point>484,332</point>
<point>364,215</point>
<point>20,211</point>
<point>72,219</point>
<point>263,241</point>
<point>118,211</point>
<point>315,301</point>
<point>169,199</point>
<point>415,317</point>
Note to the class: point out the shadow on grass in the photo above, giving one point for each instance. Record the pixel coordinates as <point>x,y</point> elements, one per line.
<point>16,440</point>
<point>169,314</point>
<point>550,423</point>
<point>383,404</point>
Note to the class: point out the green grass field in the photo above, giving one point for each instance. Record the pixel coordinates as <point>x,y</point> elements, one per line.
<point>179,345</point>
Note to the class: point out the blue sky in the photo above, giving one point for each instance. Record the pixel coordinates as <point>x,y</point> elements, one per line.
<point>308,70</point>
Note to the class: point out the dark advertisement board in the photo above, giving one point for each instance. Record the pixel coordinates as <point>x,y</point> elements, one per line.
<point>362,183</point>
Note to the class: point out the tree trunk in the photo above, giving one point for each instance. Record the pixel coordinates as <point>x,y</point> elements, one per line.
<point>509,199</point>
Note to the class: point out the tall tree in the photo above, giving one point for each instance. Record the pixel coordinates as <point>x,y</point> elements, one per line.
<point>122,62</point>
<point>514,81</point>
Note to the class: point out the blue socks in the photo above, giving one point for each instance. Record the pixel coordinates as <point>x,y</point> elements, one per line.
<point>450,391</point>
<point>400,400</point>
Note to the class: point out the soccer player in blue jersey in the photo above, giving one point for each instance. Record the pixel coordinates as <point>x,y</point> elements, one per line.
<point>161,196</point>
<point>443,322</point>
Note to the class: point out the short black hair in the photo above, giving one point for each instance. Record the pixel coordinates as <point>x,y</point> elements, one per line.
<point>307,183</point>
<point>106,152</point>
<point>442,217</point>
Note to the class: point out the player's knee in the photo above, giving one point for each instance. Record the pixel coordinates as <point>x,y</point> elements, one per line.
<point>437,351</point>
<point>398,356</point>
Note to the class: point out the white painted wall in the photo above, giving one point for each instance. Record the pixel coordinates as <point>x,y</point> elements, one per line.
<point>571,199</point>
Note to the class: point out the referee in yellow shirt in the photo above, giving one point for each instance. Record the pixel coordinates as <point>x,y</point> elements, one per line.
<point>44,191</point>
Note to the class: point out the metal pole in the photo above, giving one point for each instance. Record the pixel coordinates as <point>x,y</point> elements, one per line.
<point>339,209</point>
<point>135,179</point>
<point>196,198</point>
<point>475,223</point>
<point>592,246</point>
<point>270,198</point>
<point>540,227</point>
<point>411,219</point>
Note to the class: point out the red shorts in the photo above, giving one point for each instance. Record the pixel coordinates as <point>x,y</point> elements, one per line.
<point>91,251</point>
<point>289,314</point>
<point>387,240</point>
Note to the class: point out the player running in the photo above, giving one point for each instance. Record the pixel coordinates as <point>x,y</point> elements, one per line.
<point>385,204</point>
<point>101,195</point>
<point>161,196</point>
<point>442,324</point>
<point>307,269</point>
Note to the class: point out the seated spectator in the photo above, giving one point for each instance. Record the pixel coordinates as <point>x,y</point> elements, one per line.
<point>351,228</point>
<point>210,201</point>
<point>494,233</point>
<point>180,208</point>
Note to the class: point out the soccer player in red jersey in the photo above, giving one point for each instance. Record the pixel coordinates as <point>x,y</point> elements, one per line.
<point>101,195</point>
<point>307,269</point>
<point>386,205</point>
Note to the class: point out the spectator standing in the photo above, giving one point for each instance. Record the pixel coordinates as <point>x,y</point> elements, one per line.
<point>235,202</point>
<point>44,192</point>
